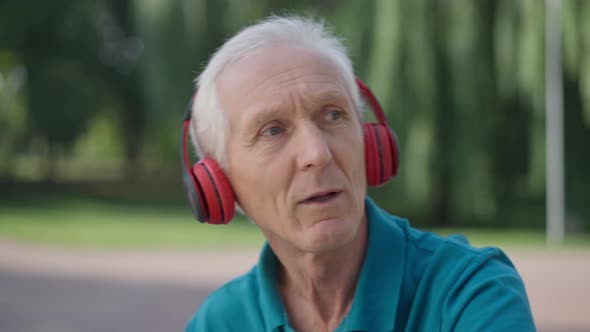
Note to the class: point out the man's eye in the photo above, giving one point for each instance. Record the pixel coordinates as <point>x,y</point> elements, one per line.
<point>273,131</point>
<point>334,115</point>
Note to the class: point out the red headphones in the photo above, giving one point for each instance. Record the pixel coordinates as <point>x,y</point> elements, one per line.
<point>211,196</point>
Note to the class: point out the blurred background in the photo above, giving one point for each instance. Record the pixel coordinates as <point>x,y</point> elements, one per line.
<point>92,95</point>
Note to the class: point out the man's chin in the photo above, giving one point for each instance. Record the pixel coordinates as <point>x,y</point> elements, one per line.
<point>329,234</point>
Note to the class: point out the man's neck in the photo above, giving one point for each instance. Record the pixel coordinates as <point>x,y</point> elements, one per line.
<point>318,289</point>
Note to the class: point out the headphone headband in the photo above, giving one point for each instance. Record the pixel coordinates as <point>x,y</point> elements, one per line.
<point>374,103</point>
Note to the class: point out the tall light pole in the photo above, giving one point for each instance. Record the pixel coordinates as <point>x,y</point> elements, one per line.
<point>555,200</point>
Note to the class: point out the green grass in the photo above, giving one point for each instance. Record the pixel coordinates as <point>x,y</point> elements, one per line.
<point>70,221</point>
<point>87,223</point>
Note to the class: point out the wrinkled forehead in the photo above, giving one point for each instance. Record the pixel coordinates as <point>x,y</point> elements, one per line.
<point>273,72</point>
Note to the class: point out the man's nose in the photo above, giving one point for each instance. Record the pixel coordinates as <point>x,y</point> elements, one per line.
<point>312,147</point>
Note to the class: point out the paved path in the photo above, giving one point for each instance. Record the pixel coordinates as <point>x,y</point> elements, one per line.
<point>61,290</point>
<point>42,303</point>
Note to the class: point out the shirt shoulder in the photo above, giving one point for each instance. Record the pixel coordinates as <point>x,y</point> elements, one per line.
<point>461,286</point>
<point>427,253</point>
<point>231,307</point>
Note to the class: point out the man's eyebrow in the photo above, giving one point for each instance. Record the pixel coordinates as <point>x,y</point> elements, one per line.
<point>331,95</point>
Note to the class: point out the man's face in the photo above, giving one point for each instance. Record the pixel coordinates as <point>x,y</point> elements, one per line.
<point>295,150</point>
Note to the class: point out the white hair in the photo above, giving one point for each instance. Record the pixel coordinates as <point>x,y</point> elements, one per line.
<point>209,124</point>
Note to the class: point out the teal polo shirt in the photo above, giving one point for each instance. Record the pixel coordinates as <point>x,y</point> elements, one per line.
<point>410,281</point>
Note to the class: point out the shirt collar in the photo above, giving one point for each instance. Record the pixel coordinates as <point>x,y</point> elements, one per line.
<point>376,296</point>
<point>377,292</point>
<point>270,300</point>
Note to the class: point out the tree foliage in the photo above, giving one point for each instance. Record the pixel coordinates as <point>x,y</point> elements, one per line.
<point>462,82</point>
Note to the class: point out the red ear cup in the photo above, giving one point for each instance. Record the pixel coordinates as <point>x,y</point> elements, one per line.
<point>381,154</point>
<point>381,148</point>
<point>209,193</point>
<point>217,194</point>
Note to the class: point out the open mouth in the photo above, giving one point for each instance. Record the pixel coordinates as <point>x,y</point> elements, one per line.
<point>322,198</point>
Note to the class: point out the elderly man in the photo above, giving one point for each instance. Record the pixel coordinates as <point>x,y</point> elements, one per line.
<point>277,119</point>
